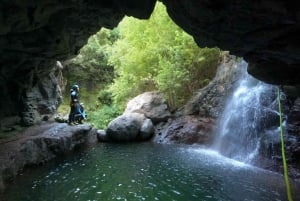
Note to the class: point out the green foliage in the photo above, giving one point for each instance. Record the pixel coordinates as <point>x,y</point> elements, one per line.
<point>90,69</point>
<point>100,118</point>
<point>105,97</point>
<point>156,54</point>
<point>138,56</point>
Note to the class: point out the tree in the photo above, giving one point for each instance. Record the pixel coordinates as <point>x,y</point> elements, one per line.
<point>156,54</point>
<point>90,69</point>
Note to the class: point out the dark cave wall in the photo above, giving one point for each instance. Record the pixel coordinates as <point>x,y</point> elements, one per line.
<point>36,34</point>
<point>264,33</point>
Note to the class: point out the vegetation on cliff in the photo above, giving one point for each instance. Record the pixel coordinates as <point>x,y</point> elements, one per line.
<point>138,56</point>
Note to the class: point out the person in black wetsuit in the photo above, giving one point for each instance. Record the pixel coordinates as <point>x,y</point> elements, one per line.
<point>74,104</point>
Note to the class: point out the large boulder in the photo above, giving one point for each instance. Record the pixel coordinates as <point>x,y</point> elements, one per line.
<point>39,144</point>
<point>36,34</point>
<point>130,127</point>
<point>185,130</point>
<point>136,123</point>
<point>146,130</point>
<point>152,104</point>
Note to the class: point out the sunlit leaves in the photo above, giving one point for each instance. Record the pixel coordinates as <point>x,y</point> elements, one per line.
<point>156,54</point>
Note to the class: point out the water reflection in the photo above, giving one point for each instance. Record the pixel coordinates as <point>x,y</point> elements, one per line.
<point>137,172</point>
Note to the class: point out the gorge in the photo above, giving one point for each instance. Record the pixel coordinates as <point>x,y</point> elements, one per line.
<point>154,171</point>
<point>35,35</point>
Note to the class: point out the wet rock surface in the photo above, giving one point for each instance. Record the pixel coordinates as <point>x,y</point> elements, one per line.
<point>264,33</point>
<point>39,144</point>
<point>293,141</point>
<point>36,34</point>
<point>152,104</point>
<point>130,127</point>
<point>210,101</point>
<point>138,120</point>
<point>185,130</point>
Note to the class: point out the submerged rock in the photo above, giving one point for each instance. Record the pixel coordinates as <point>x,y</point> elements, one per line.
<point>102,136</point>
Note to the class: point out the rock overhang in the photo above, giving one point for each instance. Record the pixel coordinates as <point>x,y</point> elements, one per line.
<point>35,34</point>
<point>264,33</point>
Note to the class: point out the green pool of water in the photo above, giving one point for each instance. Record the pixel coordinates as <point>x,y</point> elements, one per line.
<point>138,172</point>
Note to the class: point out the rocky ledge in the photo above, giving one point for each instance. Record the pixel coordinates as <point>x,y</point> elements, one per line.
<point>36,34</point>
<point>39,144</point>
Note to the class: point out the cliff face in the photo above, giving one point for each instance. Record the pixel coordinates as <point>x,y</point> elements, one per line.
<point>265,33</point>
<point>36,34</point>
<point>200,120</point>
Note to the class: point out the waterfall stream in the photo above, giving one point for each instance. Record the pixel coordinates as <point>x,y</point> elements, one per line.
<point>147,171</point>
<point>248,120</point>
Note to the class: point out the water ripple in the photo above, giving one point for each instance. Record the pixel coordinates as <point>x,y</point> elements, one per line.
<point>138,172</point>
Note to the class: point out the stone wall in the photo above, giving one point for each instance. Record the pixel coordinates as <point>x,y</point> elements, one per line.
<point>264,33</point>
<point>36,34</point>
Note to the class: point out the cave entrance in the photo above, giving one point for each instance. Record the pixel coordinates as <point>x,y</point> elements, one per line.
<point>138,56</point>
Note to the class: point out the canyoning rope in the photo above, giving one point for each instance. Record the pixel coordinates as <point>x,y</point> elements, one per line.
<point>285,169</point>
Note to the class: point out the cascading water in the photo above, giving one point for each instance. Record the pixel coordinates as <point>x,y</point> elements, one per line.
<point>249,116</point>
<point>150,171</point>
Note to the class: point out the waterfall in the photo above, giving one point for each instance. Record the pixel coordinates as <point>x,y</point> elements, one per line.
<point>250,115</point>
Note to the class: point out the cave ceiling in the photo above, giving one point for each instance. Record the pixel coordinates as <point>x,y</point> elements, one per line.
<point>35,34</point>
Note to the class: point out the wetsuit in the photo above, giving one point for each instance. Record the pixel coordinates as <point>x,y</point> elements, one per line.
<point>74,104</point>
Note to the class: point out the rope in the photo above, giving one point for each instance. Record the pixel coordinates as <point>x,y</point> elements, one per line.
<point>285,169</point>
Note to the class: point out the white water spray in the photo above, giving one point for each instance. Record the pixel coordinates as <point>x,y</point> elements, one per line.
<point>249,113</point>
